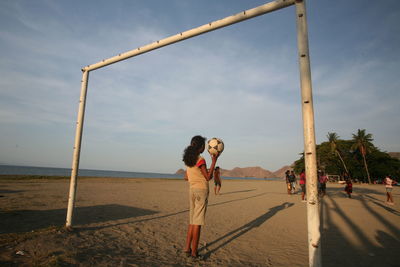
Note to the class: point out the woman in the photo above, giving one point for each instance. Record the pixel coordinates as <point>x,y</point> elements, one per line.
<point>198,177</point>
<point>288,183</point>
<point>303,186</point>
<point>323,179</point>
<point>389,187</point>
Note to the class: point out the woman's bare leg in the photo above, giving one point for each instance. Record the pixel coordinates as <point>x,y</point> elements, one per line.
<point>196,229</point>
<point>390,198</point>
<point>189,238</point>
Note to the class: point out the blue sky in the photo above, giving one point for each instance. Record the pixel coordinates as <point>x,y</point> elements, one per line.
<point>240,83</point>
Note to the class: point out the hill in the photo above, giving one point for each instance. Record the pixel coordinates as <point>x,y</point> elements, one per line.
<point>256,172</point>
<point>180,172</point>
<point>395,155</point>
<point>281,172</point>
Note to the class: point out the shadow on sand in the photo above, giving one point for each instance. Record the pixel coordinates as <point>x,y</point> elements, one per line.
<point>234,192</point>
<point>357,192</point>
<point>29,220</point>
<point>339,250</point>
<point>139,220</point>
<point>5,191</point>
<point>232,235</point>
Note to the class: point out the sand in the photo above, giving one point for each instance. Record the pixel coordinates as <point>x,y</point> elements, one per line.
<point>143,222</point>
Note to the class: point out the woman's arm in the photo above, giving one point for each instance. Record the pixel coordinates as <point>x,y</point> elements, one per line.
<point>186,176</point>
<point>208,175</point>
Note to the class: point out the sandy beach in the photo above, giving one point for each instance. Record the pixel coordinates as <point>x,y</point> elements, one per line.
<point>143,222</point>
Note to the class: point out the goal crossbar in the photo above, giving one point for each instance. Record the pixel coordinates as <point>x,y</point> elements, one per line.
<point>244,15</point>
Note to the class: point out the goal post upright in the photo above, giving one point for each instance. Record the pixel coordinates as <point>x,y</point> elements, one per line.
<point>313,218</point>
<point>77,148</point>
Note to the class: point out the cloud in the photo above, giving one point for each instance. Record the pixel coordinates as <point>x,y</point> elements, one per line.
<point>357,96</point>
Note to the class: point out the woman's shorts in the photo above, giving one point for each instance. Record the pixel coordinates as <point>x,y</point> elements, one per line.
<point>217,184</point>
<point>198,199</point>
<point>389,189</point>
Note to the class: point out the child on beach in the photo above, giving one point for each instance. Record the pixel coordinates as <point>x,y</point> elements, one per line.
<point>349,187</point>
<point>388,182</point>
<point>323,179</point>
<point>293,182</point>
<point>198,177</point>
<point>217,181</point>
<point>303,185</point>
<point>288,183</point>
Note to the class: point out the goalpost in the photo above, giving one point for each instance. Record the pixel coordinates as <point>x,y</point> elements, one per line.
<point>313,218</point>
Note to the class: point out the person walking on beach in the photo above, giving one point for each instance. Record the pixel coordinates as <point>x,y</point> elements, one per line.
<point>349,187</point>
<point>217,181</point>
<point>293,182</point>
<point>303,185</point>
<point>198,177</point>
<point>388,182</point>
<point>323,179</point>
<point>288,183</point>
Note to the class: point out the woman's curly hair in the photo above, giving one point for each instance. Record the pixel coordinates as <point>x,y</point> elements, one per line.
<point>192,152</point>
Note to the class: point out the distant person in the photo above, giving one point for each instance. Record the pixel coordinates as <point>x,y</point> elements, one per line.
<point>388,182</point>
<point>288,183</point>
<point>318,183</point>
<point>349,187</point>
<point>293,182</point>
<point>217,181</point>
<point>302,183</point>
<point>198,177</point>
<point>346,176</point>
<point>323,179</point>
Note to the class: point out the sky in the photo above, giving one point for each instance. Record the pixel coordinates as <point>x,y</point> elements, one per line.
<point>239,83</point>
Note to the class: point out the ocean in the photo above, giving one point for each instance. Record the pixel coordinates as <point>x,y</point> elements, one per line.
<point>45,171</point>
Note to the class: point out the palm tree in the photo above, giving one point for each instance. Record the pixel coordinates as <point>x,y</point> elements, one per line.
<point>333,138</point>
<point>362,143</point>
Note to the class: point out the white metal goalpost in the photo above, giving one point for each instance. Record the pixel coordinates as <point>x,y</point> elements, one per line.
<point>313,217</point>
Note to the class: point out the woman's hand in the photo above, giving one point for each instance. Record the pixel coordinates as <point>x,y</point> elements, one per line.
<point>214,157</point>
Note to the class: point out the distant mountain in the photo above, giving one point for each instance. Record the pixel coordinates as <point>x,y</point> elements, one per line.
<point>395,155</point>
<point>180,172</point>
<point>281,172</point>
<point>256,172</point>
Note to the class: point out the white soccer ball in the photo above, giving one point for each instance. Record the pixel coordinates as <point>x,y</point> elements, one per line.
<point>215,146</point>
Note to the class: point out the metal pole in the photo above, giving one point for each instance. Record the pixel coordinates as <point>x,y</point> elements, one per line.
<point>313,218</point>
<point>248,14</point>
<point>77,148</point>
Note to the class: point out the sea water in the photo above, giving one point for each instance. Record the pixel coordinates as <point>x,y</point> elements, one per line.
<point>46,171</point>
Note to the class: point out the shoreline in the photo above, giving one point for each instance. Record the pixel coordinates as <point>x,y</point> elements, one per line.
<point>60,177</point>
<point>66,172</point>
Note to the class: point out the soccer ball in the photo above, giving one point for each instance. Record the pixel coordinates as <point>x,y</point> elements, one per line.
<point>215,146</point>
